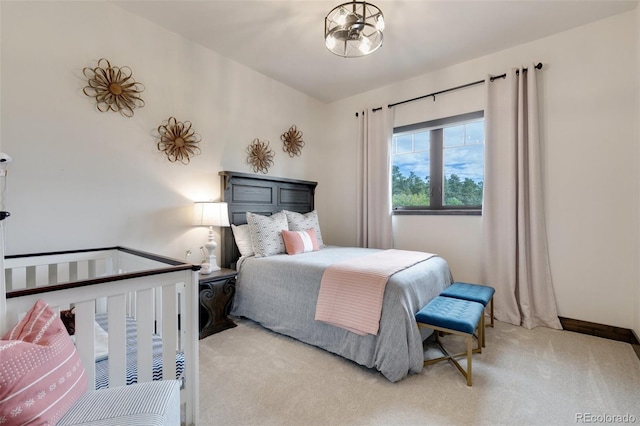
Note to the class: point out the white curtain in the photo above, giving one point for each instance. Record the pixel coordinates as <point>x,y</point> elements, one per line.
<point>515,253</point>
<point>373,222</point>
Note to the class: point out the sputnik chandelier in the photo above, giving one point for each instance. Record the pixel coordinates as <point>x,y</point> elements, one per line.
<point>354,29</point>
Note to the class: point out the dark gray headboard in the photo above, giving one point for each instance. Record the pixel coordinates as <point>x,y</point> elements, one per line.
<point>246,192</point>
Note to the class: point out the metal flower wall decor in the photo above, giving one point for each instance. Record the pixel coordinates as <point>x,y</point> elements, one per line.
<point>178,140</point>
<point>292,141</point>
<point>113,88</point>
<point>260,156</point>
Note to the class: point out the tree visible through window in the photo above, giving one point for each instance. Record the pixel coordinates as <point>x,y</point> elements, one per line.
<point>439,164</point>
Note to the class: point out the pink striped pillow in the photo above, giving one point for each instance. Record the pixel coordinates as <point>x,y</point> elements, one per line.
<point>300,241</point>
<point>41,375</point>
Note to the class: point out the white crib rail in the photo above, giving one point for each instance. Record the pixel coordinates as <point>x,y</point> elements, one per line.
<point>36,271</point>
<point>136,296</point>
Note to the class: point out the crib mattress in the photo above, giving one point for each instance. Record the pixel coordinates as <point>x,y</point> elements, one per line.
<point>102,367</point>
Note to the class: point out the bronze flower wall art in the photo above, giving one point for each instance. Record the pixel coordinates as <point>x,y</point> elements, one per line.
<point>178,140</point>
<point>113,88</point>
<point>292,141</point>
<point>260,156</point>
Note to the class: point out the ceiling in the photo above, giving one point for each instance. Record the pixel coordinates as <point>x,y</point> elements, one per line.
<point>284,39</point>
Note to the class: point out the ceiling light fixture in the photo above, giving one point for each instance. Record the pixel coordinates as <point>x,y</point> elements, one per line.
<point>354,29</point>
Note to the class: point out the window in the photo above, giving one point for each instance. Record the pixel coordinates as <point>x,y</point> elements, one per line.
<point>438,166</point>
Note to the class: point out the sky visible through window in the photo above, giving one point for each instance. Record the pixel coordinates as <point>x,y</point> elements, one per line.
<point>463,152</point>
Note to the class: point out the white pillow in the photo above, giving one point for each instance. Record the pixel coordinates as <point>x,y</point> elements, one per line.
<point>243,239</point>
<point>266,233</point>
<point>302,222</point>
<point>101,342</point>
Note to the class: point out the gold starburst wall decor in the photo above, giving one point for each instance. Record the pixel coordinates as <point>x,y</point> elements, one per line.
<point>113,88</point>
<point>260,156</point>
<point>178,140</point>
<point>292,141</point>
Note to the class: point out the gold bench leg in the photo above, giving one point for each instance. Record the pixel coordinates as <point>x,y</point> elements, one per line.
<point>482,331</point>
<point>480,336</point>
<point>491,318</point>
<point>468,374</point>
<point>484,322</point>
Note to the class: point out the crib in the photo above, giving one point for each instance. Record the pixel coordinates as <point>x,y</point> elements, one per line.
<point>116,285</point>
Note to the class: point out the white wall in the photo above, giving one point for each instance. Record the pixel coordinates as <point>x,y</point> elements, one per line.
<point>589,92</point>
<point>84,179</point>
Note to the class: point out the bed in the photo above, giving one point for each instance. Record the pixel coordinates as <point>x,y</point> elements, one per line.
<point>280,291</point>
<point>145,302</point>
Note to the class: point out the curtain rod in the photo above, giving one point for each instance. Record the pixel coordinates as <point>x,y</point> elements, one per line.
<point>464,86</point>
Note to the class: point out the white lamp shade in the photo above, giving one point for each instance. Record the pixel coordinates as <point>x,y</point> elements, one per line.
<point>207,213</point>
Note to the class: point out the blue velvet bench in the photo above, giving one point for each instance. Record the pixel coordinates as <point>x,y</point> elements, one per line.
<point>454,316</point>
<point>476,293</point>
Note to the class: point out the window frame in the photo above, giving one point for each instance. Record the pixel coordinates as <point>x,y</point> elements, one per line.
<point>436,166</point>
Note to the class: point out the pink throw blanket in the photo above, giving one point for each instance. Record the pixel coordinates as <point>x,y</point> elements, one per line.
<point>351,292</point>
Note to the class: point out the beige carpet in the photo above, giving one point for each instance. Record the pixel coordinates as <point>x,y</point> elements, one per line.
<point>251,376</point>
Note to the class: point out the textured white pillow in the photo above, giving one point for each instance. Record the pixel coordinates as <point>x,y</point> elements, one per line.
<point>302,222</point>
<point>266,233</point>
<point>243,239</point>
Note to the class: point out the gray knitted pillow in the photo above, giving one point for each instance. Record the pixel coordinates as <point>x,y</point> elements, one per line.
<point>266,233</point>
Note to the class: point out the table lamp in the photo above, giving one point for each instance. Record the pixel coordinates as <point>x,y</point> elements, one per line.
<point>208,213</point>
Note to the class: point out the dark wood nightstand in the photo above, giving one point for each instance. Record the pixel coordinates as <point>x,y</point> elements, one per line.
<point>216,296</point>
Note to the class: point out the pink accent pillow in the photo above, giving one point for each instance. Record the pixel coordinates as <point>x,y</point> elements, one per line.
<point>300,241</point>
<point>41,375</point>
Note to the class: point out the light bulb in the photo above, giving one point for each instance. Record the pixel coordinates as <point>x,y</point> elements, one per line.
<point>365,45</point>
<point>342,17</point>
<point>330,42</point>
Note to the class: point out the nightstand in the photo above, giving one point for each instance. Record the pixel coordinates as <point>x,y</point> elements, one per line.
<point>216,296</point>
